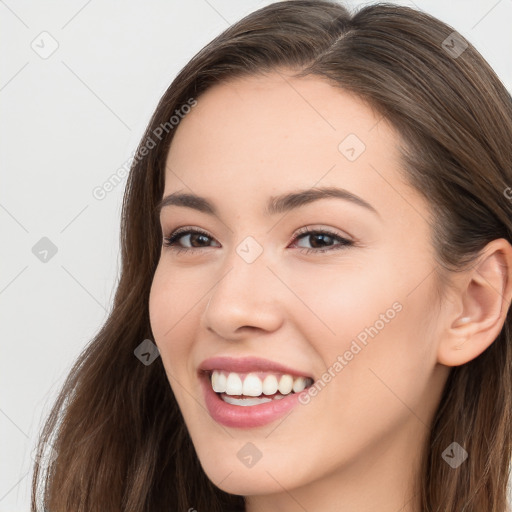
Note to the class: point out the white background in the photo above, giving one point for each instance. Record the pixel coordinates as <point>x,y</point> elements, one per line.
<point>68,122</point>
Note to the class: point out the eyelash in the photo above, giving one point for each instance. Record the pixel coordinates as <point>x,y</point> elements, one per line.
<point>173,237</point>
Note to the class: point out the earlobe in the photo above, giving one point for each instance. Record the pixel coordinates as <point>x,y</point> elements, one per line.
<point>481,306</point>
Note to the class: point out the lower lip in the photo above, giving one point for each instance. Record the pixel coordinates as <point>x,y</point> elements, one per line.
<point>249,416</point>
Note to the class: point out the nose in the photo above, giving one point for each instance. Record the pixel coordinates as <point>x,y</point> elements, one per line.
<point>247,298</point>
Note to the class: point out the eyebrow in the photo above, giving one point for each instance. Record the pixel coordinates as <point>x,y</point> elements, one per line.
<point>275,205</point>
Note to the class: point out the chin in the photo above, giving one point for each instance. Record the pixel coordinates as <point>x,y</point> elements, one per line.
<point>242,481</point>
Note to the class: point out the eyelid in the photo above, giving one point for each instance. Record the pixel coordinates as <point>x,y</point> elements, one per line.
<point>313,228</point>
<point>300,231</point>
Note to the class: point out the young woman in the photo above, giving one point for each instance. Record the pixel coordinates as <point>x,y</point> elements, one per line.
<point>314,306</point>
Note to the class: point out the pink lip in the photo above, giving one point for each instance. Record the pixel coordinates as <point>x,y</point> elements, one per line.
<point>248,364</point>
<point>238,416</point>
<point>249,416</point>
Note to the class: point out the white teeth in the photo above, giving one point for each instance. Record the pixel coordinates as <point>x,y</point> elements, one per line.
<point>234,384</point>
<point>219,382</point>
<point>252,385</point>
<point>245,401</point>
<point>285,384</point>
<point>299,384</point>
<point>269,385</point>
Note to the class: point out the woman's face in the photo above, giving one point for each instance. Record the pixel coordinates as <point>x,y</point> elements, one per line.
<point>351,305</point>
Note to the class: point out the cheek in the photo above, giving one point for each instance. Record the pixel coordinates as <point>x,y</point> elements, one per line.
<point>172,298</point>
<point>170,314</point>
<point>174,301</point>
<point>173,330</point>
<point>344,303</point>
<point>157,305</point>
<point>368,323</point>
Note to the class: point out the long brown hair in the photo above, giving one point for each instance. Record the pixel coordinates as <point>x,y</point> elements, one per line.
<point>118,434</point>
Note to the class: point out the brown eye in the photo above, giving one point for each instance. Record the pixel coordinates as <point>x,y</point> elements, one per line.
<point>195,239</point>
<point>321,240</point>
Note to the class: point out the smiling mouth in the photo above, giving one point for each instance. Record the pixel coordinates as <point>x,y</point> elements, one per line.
<point>254,388</point>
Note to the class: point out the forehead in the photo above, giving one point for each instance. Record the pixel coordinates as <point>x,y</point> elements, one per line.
<point>272,133</point>
<point>280,112</point>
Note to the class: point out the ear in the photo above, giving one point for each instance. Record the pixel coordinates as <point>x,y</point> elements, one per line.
<point>482,299</point>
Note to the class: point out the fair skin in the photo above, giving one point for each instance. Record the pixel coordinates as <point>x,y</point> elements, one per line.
<point>356,445</point>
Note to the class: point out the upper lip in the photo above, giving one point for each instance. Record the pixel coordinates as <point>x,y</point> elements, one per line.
<point>248,364</point>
